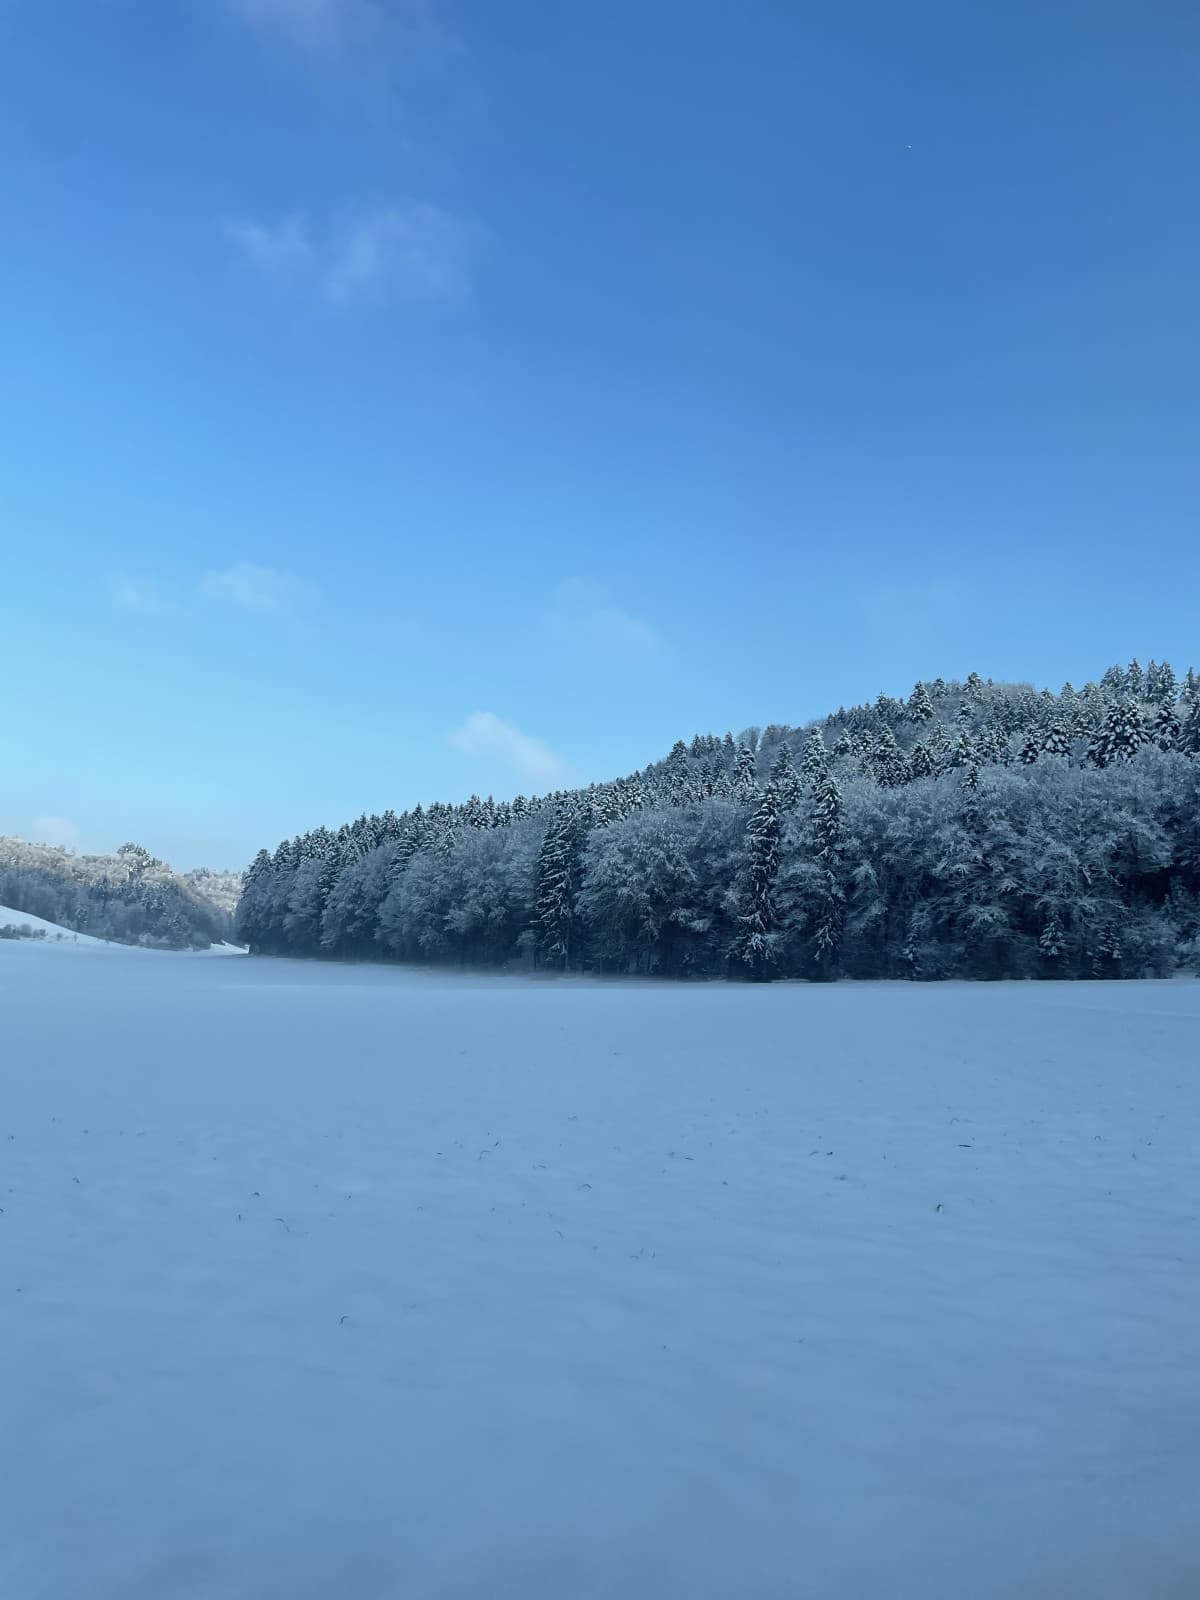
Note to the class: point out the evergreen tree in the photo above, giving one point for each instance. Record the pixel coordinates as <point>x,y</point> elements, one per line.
<point>1124,729</point>
<point>920,761</point>
<point>559,872</point>
<point>745,784</point>
<point>1166,726</point>
<point>1135,679</point>
<point>1056,741</point>
<point>941,751</point>
<point>814,764</point>
<point>756,944</point>
<point>829,837</point>
<point>920,706</point>
<point>785,778</point>
<point>888,763</point>
<point>1029,752</point>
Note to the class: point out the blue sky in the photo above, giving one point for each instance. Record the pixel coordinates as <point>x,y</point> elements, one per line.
<point>404,399</point>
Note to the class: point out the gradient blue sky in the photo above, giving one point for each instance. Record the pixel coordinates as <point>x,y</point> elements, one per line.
<point>404,399</point>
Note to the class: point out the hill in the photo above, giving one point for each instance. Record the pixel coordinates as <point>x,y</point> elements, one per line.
<point>972,829</point>
<point>128,897</point>
<point>16,924</point>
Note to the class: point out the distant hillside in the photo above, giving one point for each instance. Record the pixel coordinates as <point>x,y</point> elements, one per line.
<point>972,829</point>
<point>128,897</point>
<point>221,889</point>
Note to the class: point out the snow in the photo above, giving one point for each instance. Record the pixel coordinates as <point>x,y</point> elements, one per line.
<point>334,1281</point>
<point>56,936</point>
<point>53,931</point>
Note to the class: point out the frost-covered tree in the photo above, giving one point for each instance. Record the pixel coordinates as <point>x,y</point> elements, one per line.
<point>745,782</point>
<point>920,706</point>
<point>814,764</point>
<point>785,779</point>
<point>920,761</point>
<point>1120,736</point>
<point>757,940</point>
<point>888,761</point>
<point>1165,727</point>
<point>559,873</point>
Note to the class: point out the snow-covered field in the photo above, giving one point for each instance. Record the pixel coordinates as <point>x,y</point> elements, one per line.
<point>356,1283</point>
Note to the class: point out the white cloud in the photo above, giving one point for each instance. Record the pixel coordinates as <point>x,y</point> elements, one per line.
<point>418,252</point>
<point>582,615</point>
<point>276,249</point>
<point>485,734</point>
<point>56,830</point>
<point>137,594</point>
<point>318,28</point>
<point>411,252</point>
<point>377,35</point>
<point>257,588</point>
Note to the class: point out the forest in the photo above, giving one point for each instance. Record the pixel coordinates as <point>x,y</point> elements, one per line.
<point>971,830</point>
<point>128,896</point>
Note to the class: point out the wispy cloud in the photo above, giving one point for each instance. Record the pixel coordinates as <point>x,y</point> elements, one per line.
<point>56,830</point>
<point>583,616</point>
<point>380,35</point>
<point>410,252</point>
<point>276,249</point>
<point>258,588</point>
<point>317,28</point>
<point>485,734</point>
<point>416,252</point>
<point>142,595</point>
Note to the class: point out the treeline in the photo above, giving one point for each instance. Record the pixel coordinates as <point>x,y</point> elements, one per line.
<point>974,830</point>
<point>129,897</point>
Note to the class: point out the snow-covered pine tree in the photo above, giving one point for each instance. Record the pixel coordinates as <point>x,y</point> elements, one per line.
<point>1126,733</point>
<point>1189,732</point>
<point>920,761</point>
<point>940,749</point>
<point>559,873</point>
<point>756,942</point>
<point>1135,679</point>
<point>1165,728</point>
<point>1052,940</point>
<point>814,763</point>
<point>920,706</point>
<point>829,837</point>
<point>785,778</point>
<point>888,762</point>
<point>745,784</point>
<point>1056,741</point>
<point>1029,752</point>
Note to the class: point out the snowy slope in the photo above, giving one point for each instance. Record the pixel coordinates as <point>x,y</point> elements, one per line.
<point>326,1281</point>
<point>58,937</point>
<point>54,932</point>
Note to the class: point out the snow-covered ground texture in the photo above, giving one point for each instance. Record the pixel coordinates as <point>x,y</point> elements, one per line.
<point>363,1284</point>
